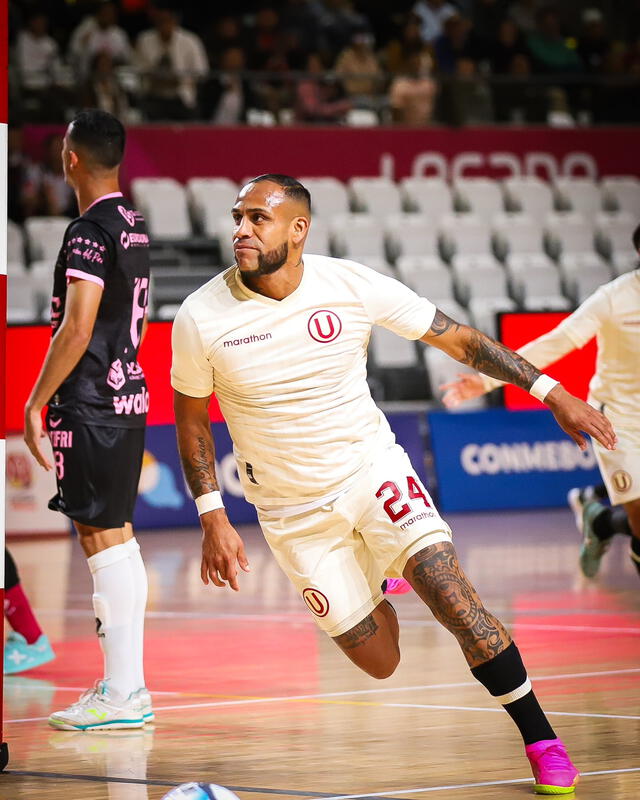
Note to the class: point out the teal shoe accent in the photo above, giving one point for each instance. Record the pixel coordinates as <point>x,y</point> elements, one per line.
<point>20,656</point>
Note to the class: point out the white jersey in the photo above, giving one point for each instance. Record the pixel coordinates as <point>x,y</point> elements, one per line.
<point>290,375</point>
<point>612,314</point>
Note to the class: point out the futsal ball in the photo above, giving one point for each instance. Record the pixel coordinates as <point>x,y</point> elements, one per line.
<point>200,791</point>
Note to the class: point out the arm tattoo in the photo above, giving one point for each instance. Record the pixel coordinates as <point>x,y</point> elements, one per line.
<point>494,359</point>
<point>199,468</point>
<point>359,634</point>
<point>439,581</point>
<point>442,323</point>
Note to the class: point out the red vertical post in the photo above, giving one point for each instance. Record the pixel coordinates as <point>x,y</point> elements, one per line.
<point>4,91</point>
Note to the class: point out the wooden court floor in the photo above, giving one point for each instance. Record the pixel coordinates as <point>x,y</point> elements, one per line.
<point>248,694</point>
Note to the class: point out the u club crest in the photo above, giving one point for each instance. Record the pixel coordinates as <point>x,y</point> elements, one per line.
<point>324,326</point>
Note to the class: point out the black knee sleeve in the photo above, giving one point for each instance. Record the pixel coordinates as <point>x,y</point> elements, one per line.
<point>11,577</point>
<point>502,674</point>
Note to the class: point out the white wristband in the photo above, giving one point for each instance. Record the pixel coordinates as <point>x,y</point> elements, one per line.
<point>541,387</point>
<point>209,502</point>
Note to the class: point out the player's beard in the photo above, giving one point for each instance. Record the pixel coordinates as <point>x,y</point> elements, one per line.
<point>272,261</point>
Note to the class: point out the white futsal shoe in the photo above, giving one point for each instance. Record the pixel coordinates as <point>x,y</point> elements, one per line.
<point>145,701</point>
<point>99,709</point>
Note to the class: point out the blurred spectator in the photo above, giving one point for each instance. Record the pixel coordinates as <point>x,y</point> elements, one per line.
<point>99,33</point>
<point>399,52</point>
<point>37,56</point>
<point>300,25</point>
<point>319,98</point>
<point>520,100</point>
<point>358,67</point>
<point>487,17</point>
<point>103,90</point>
<point>548,48</point>
<point>263,41</point>
<point>466,98</point>
<point>337,22</point>
<point>45,191</point>
<point>523,13</point>
<point>227,96</point>
<point>456,42</point>
<point>224,33</point>
<point>173,60</point>
<point>509,44</point>
<point>18,167</point>
<point>593,44</point>
<point>432,15</point>
<point>412,96</point>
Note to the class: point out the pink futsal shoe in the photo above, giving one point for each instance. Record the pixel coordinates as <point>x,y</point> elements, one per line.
<point>553,771</point>
<point>395,586</point>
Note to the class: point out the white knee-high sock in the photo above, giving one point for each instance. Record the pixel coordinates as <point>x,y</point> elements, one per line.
<point>113,603</point>
<point>137,629</point>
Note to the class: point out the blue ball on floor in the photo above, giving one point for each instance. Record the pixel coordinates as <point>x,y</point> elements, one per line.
<point>200,791</point>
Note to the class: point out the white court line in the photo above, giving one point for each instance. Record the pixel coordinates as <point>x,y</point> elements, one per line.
<point>359,692</point>
<point>421,790</point>
<point>502,711</point>
<point>10,687</point>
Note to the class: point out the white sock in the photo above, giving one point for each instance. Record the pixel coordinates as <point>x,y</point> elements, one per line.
<point>137,629</point>
<point>113,602</point>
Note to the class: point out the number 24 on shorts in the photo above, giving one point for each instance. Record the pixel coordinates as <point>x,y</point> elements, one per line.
<point>414,491</point>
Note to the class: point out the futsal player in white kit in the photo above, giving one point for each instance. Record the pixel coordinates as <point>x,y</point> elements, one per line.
<point>612,315</point>
<point>281,338</point>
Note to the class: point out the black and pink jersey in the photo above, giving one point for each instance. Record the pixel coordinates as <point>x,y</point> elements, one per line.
<point>108,245</point>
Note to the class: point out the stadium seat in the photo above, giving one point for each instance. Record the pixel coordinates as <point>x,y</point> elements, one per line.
<point>517,234</point>
<point>429,196</point>
<point>432,283</point>
<point>441,369</point>
<point>465,264</point>
<point>485,292</point>
<point>167,312</point>
<point>480,196</point>
<point>530,195</point>
<point>614,232</point>
<point>378,197</point>
<point>45,236</point>
<point>568,234</point>
<point>409,264</point>
<point>378,264</point>
<point>623,262</point>
<point>224,235</point>
<point>318,241</point>
<point>15,243</point>
<point>41,275</point>
<point>163,201</point>
<point>539,289</point>
<point>580,195</point>
<point>465,235</point>
<point>329,196</point>
<point>582,273</point>
<point>410,235</point>
<point>358,235</point>
<point>209,199</point>
<point>21,299</point>
<point>396,367</point>
<point>168,289</point>
<point>584,282</point>
<point>622,193</point>
<point>525,261</point>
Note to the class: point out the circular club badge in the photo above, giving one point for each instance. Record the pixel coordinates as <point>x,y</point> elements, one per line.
<point>324,326</point>
<point>621,480</point>
<point>317,602</point>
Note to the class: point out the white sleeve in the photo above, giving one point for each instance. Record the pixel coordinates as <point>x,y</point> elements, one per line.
<point>571,334</point>
<point>191,372</point>
<point>393,305</point>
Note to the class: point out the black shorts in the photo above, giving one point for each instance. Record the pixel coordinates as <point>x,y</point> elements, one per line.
<point>97,471</point>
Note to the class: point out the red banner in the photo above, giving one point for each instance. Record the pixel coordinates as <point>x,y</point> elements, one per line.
<point>185,152</point>
<point>155,358</point>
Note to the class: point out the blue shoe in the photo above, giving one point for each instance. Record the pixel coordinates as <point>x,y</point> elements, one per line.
<point>20,656</point>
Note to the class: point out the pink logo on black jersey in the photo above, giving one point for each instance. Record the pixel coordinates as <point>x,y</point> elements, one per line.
<point>324,326</point>
<point>139,308</point>
<point>128,215</point>
<point>116,378</point>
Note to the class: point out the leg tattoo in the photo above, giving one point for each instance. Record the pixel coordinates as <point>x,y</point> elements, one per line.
<point>358,635</point>
<point>438,579</point>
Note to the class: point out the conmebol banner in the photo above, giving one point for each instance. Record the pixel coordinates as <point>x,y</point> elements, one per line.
<point>505,459</point>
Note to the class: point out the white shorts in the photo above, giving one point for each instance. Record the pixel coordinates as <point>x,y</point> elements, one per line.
<point>620,468</point>
<point>338,555</point>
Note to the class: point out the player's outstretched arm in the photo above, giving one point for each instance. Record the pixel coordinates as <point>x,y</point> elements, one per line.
<point>222,547</point>
<point>470,346</point>
<point>65,350</point>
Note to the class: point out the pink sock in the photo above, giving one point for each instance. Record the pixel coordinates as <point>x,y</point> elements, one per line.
<point>19,614</point>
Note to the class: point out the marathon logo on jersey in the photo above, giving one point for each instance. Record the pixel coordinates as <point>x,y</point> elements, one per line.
<point>493,459</point>
<point>128,404</point>
<point>115,377</point>
<point>128,240</point>
<point>255,337</point>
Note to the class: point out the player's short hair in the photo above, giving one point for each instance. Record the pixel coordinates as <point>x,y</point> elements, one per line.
<point>99,134</point>
<point>292,187</point>
<point>636,239</point>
